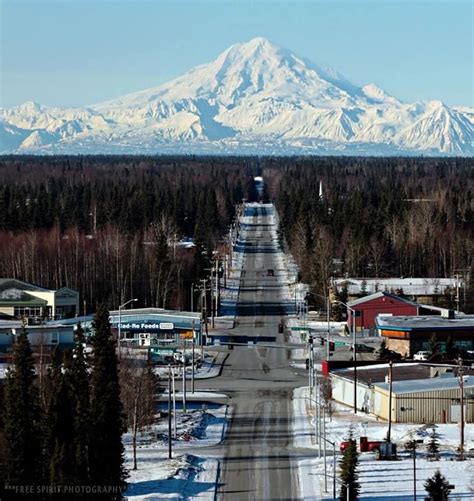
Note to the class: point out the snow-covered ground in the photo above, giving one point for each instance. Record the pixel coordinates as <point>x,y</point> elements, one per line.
<point>380,480</point>
<point>185,476</point>
<point>210,368</point>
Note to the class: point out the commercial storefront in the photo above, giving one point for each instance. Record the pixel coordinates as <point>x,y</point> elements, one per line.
<point>408,335</point>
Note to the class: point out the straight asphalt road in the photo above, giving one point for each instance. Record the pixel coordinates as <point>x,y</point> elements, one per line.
<point>258,452</point>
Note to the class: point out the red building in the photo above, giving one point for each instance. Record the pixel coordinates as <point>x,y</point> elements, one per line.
<point>368,307</point>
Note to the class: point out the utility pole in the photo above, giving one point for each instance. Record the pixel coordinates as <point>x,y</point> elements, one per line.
<point>414,469</point>
<point>328,352</point>
<point>216,307</point>
<point>334,470</point>
<point>461,387</point>
<point>184,375</point>
<point>170,453</point>
<point>192,374</point>
<point>354,353</point>
<point>390,378</point>
<point>311,366</point>
<point>324,451</point>
<point>174,401</point>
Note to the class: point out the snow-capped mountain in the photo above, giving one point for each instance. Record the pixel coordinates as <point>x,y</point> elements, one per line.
<point>255,97</point>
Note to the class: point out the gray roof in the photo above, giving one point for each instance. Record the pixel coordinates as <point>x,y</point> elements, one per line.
<point>428,322</point>
<point>422,385</point>
<point>8,283</point>
<point>13,291</point>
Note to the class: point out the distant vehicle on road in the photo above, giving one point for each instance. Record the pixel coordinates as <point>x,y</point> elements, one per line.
<point>270,273</point>
<point>421,355</point>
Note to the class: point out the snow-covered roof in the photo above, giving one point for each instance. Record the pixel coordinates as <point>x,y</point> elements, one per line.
<point>428,322</point>
<point>376,295</point>
<point>409,286</point>
<point>431,384</point>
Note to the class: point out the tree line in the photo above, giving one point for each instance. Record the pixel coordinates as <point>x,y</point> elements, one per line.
<point>377,217</point>
<point>110,226</point>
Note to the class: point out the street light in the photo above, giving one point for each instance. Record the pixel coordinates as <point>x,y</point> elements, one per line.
<point>328,318</point>
<point>120,321</point>
<point>354,351</point>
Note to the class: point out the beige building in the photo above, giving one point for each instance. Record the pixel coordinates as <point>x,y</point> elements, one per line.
<point>19,299</point>
<point>421,393</point>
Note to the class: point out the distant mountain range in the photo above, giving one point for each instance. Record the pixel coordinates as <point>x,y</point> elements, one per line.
<point>254,98</point>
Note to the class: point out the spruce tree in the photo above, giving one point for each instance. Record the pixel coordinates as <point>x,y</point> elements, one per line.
<point>348,470</point>
<point>437,487</point>
<point>79,385</point>
<point>106,452</point>
<point>22,419</point>
<point>433,446</point>
<point>60,424</point>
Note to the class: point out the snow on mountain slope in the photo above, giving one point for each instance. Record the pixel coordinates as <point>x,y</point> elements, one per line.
<point>254,97</point>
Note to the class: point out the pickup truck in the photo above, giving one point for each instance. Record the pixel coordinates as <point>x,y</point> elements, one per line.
<point>365,445</point>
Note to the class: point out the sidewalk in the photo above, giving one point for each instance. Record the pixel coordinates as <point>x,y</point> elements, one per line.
<point>310,471</point>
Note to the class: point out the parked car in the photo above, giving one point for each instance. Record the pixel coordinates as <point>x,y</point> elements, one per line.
<point>421,355</point>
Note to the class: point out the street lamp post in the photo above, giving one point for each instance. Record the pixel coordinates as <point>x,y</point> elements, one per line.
<point>120,322</point>
<point>354,350</point>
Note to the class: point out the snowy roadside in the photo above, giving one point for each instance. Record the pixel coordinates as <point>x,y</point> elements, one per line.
<point>185,476</point>
<point>380,480</point>
<point>197,427</point>
<point>211,367</point>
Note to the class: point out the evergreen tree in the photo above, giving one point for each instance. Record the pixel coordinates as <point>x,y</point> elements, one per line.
<point>60,422</point>
<point>433,445</point>
<point>80,390</point>
<point>339,310</point>
<point>348,470</point>
<point>106,453</point>
<point>437,487</point>
<point>22,419</point>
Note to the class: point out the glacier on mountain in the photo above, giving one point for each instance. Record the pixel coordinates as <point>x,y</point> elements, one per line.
<point>255,97</point>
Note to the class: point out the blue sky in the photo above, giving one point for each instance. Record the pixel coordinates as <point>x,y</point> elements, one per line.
<point>79,52</point>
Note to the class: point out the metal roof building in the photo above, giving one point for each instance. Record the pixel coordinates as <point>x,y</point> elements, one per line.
<point>407,335</point>
<point>421,393</point>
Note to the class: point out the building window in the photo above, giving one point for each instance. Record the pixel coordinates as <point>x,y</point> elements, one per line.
<point>26,311</point>
<point>54,338</point>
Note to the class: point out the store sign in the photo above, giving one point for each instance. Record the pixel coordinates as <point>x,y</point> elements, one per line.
<point>146,326</point>
<point>186,335</point>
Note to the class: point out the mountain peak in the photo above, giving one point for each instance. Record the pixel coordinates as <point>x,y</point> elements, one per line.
<point>255,96</point>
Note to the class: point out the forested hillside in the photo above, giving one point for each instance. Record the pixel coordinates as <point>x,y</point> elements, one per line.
<point>109,226</point>
<point>378,217</point>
